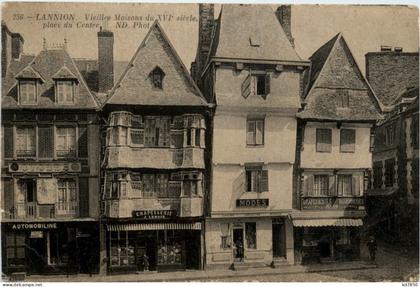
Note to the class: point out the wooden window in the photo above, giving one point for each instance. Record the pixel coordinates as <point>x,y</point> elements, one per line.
<point>256,179</point>
<point>320,185</point>
<point>66,142</point>
<point>157,132</point>
<point>255,132</point>
<point>347,140</point>
<point>25,142</point>
<point>46,141</point>
<point>344,184</point>
<point>262,84</point>
<point>377,174</point>
<point>83,145</point>
<point>389,172</point>
<point>65,92</point>
<point>27,92</point>
<point>8,142</point>
<point>251,235</point>
<point>67,191</point>
<point>323,140</point>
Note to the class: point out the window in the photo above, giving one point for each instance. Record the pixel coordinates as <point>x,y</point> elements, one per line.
<point>122,249</point>
<point>66,142</point>
<point>390,134</point>
<point>119,135</point>
<point>25,142</point>
<point>321,185</point>
<point>157,132</point>
<point>65,92</point>
<point>257,83</point>
<point>347,140</point>
<point>256,179</point>
<point>377,174</point>
<point>8,142</point>
<point>255,132</point>
<point>66,191</point>
<point>15,249</point>
<point>323,140</point>
<point>27,92</point>
<point>389,172</point>
<point>225,239</point>
<point>344,185</point>
<point>251,235</point>
<point>157,76</point>
<point>343,96</point>
<point>189,186</point>
<point>415,131</point>
<point>155,185</point>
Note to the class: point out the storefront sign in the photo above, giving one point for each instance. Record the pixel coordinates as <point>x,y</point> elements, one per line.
<point>47,167</point>
<point>261,202</point>
<point>332,202</point>
<point>21,226</point>
<point>153,214</point>
<point>37,234</point>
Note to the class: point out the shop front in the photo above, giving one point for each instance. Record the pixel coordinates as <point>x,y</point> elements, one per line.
<point>145,246</point>
<point>50,247</point>
<point>324,240</point>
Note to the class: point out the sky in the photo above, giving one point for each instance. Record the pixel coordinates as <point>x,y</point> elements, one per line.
<point>365,28</point>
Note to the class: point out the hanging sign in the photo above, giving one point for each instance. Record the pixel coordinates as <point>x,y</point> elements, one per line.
<point>260,202</point>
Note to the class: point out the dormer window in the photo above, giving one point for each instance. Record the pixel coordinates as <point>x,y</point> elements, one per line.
<point>65,92</point>
<point>157,76</point>
<point>27,92</point>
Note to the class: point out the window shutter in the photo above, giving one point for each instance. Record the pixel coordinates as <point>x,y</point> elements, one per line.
<point>347,140</point>
<point>267,85</point>
<point>246,86</point>
<point>46,141</point>
<point>84,196</point>
<point>331,187</point>
<point>259,137</point>
<point>8,142</point>
<point>355,186</point>
<point>250,132</point>
<point>8,190</point>
<point>83,141</point>
<point>264,180</point>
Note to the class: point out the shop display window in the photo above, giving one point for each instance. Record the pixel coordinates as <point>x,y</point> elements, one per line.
<point>122,249</point>
<point>169,248</point>
<point>15,249</point>
<point>251,235</point>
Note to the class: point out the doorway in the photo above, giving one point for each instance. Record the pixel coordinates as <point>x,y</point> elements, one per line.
<point>279,239</point>
<point>37,252</point>
<point>238,243</point>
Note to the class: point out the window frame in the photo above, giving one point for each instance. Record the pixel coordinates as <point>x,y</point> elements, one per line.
<point>340,182</point>
<point>256,141</point>
<point>321,192</point>
<point>26,82</point>
<point>247,230</point>
<point>68,85</point>
<point>35,147</point>
<point>318,139</point>
<point>71,153</point>
<point>347,142</point>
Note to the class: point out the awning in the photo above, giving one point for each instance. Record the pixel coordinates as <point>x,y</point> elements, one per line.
<point>154,226</point>
<point>327,222</point>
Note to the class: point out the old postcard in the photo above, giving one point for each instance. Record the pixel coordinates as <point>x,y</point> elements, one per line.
<point>209,142</point>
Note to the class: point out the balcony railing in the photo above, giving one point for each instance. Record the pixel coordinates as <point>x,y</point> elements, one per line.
<point>66,208</point>
<point>332,202</point>
<point>33,210</point>
<point>25,210</point>
<point>66,153</point>
<point>25,153</point>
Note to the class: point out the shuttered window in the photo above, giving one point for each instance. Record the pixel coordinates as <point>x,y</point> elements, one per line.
<point>347,140</point>
<point>323,140</point>
<point>46,141</point>
<point>25,142</point>
<point>8,142</point>
<point>246,87</point>
<point>83,142</point>
<point>320,185</point>
<point>344,184</point>
<point>256,179</point>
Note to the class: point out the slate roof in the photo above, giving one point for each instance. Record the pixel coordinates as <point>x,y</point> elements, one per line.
<point>46,64</point>
<point>29,73</point>
<point>64,73</point>
<point>135,86</point>
<point>334,72</point>
<point>239,26</point>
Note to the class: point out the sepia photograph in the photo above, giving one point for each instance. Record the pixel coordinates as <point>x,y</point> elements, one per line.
<point>209,142</point>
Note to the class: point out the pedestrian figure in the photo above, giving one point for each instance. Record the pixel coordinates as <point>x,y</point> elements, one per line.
<point>145,262</point>
<point>239,250</point>
<point>372,245</point>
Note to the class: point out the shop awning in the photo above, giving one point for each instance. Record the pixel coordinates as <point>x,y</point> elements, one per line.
<point>327,222</point>
<point>154,226</point>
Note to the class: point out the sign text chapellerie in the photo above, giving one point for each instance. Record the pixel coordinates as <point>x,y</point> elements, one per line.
<point>260,202</point>
<point>150,214</point>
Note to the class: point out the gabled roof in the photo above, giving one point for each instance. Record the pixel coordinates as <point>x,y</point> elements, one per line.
<point>29,73</point>
<point>47,64</point>
<point>135,86</point>
<point>334,72</point>
<point>64,73</point>
<point>251,32</point>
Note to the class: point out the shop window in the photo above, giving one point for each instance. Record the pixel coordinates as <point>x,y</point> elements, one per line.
<point>345,185</point>
<point>15,249</point>
<point>320,185</point>
<point>251,235</point>
<point>255,132</point>
<point>59,243</point>
<point>377,174</point>
<point>122,249</point>
<point>256,179</point>
<point>169,248</point>
<point>225,239</point>
<point>65,92</point>
<point>66,197</point>
<point>347,140</point>
<point>323,140</point>
<point>343,237</point>
<point>157,132</point>
<point>389,172</point>
<point>66,142</point>
<point>25,142</point>
<point>27,92</point>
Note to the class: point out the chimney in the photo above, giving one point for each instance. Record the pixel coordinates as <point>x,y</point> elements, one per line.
<point>205,31</point>
<point>398,49</point>
<point>284,15</point>
<point>386,48</point>
<point>105,60</point>
<point>17,45</point>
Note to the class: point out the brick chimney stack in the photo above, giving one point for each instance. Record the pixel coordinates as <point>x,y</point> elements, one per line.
<point>284,15</point>
<point>11,47</point>
<point>105,60</point>
<point>205,30</point>
<point>17,45</point>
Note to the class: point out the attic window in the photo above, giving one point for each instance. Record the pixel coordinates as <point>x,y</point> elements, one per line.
<point>254,42</point>
<point>65,92</point>
<point>157,77</point>
<point>27,92</point>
